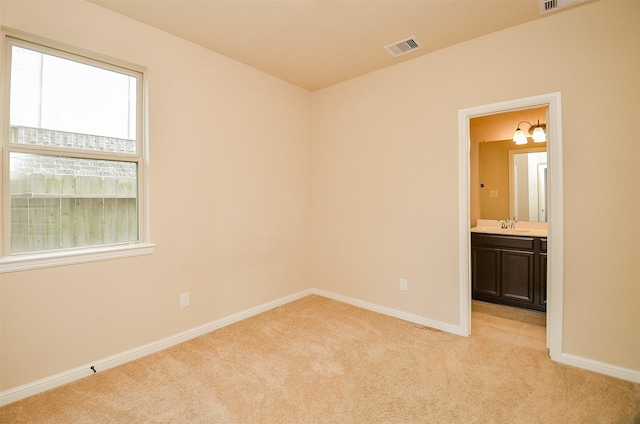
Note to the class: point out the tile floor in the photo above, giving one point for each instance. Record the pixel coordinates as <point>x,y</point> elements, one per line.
<point>511,325</point>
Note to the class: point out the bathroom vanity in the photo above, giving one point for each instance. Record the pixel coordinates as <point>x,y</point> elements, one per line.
<point>509,266</point>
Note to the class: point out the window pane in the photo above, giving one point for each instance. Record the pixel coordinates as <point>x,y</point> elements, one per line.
<point>63,202</point>
<point>52,93</point>
<point>45,137</point>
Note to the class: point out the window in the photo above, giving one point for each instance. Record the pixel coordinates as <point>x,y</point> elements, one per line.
<point>74,157</point>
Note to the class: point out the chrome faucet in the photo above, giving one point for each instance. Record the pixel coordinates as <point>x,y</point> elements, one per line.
<point>508,223</point>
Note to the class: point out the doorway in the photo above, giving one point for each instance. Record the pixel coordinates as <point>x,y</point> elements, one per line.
<point>554,208</point>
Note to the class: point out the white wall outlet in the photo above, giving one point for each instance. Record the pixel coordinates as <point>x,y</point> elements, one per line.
<point>404,284</point>
<point>184,300</point>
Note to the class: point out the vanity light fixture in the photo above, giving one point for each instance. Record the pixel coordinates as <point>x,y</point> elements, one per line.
<point>535,131</point>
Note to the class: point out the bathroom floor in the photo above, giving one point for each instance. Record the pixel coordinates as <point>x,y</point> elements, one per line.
<point>511,325</point>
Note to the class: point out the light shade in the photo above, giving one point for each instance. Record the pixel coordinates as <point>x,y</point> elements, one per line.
<point>536,132</point>
<point>538,135</point>
<point>519,137</point>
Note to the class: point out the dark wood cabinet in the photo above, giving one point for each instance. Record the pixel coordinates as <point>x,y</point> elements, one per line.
<point>542,299</point>
<point>486,271</point>
<point>509,270</point>
<point>517,275</point>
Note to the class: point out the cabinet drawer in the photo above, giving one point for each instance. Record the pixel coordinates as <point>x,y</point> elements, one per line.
<point>543,245</point>
<point>501,241</point>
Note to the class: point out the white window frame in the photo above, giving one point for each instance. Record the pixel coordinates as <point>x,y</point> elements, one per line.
<point>26,261</point>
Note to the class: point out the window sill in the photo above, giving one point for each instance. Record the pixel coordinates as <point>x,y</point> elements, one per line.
<point>61,258</point>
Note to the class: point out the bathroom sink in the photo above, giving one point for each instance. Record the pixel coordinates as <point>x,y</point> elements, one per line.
<point>523,228</point>
<point>513,232</point>
<point>494,230</point>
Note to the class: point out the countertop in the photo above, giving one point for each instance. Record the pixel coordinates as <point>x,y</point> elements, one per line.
<point>524,228</point>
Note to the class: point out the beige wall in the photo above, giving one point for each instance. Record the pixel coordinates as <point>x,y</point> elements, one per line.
<point>385,172</point>
<point>371,198</point>
<point>230,204</point>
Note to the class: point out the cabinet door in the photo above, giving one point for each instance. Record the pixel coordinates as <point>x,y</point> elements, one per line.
<point>485,264</point>
<point>542,296</point>
<point>517,275</point>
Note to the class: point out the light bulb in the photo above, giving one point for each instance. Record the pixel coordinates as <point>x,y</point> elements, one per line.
<point>539,135</point>
<point>519,137</point>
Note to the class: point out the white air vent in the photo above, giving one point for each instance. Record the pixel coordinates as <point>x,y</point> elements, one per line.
<point>548,6</point>
<point>402,47</point>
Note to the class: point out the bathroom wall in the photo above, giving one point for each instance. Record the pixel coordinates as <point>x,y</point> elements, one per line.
<point>492,128</point>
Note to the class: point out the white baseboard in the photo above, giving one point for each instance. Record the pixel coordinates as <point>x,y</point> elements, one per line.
<point>39,386</point>
<point>391,312</point>
<point>564,358</point>
<point>599,367</point>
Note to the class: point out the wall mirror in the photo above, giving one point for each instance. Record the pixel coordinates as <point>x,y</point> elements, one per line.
<point>528,184</point>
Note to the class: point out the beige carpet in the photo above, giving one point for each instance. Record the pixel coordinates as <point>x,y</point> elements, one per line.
<point>320,361</point>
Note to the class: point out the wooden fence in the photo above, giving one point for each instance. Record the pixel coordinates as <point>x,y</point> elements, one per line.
<point>65,211</point>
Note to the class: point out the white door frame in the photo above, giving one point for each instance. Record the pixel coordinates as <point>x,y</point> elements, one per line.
<point>555,211</point>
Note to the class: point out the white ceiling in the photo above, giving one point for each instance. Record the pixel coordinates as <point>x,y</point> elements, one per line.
<point>317,43</point>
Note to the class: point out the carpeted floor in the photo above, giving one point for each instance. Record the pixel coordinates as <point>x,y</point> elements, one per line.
<point>320,361</point>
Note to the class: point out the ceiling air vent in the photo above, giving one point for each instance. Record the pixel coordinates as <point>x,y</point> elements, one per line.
<point>402,47</point>
<point>548,6</point>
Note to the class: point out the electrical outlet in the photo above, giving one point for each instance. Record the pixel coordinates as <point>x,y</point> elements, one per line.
<point>404,284</point>
<point>184,300</point>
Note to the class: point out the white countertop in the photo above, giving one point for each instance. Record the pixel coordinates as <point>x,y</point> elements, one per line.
<point>524,228</point>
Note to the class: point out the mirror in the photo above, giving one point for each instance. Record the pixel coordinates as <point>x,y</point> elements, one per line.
<point>507,179</point>
<point>528,184</point>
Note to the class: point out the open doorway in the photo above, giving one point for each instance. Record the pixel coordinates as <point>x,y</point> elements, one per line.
<point>508,181</point>
<point>553,210</point>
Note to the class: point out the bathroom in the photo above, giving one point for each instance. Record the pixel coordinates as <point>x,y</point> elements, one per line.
<point>508,224</point>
